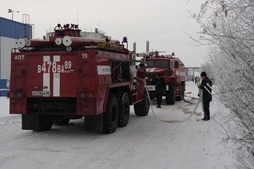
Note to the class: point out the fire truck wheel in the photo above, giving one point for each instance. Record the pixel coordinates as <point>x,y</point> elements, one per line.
<point>142,108</point>
<point>171,96</point>
<point>124,109</point>
<point>111,116</point>
<point>181,97</point>
<point>61,121</point>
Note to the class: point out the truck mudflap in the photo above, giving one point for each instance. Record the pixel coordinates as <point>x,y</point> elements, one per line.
<point>37,122</point>
<point>94,123</point>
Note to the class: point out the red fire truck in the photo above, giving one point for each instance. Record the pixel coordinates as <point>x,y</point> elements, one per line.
<point>69,76</point>
<point>171,70</point>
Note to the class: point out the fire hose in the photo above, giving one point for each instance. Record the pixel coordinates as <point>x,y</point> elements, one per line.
<point>170,121</point>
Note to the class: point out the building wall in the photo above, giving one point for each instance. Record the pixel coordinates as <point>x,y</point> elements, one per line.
<point>15,30</point>
<point>10,31</point>
<point>6,45</point>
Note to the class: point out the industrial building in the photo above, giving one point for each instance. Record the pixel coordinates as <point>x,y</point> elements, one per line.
<point>10,31</point>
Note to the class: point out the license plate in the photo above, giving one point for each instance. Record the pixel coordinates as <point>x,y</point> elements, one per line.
<point>151,87</point>
<point>41,93</point>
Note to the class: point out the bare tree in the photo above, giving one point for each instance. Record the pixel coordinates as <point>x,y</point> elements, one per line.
<point>228,27</point>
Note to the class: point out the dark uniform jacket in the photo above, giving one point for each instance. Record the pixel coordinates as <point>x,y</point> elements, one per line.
<point>206,84</point>
<point>160,86</point>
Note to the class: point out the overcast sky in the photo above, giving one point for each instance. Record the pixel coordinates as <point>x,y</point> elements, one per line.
<point>162,22</point>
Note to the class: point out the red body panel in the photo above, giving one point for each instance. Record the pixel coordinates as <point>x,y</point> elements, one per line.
<point>48,73</point>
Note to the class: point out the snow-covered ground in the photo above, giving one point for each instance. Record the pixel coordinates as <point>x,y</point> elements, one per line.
<point>146,143</point>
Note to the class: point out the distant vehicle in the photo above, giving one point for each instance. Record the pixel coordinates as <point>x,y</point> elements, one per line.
<point>70,76</point>
<point>171,70</point>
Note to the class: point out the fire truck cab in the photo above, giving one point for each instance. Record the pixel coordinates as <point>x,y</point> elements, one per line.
<point>69,76</point>
<point>171,70</point>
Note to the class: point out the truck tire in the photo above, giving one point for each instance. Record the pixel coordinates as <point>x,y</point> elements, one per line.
<point>62,121</point>
<point>124,109</point>
<point>171,96</point>
<point>111,116</point>
<point>181,97</point>
<point>142,108</point>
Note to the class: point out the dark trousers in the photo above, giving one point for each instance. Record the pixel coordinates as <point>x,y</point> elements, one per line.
<point>158,99</point>
<point>206,105</point>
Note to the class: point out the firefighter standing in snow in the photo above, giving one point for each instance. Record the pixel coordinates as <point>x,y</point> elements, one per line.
<point>160,88</point>
<point>205,86</point>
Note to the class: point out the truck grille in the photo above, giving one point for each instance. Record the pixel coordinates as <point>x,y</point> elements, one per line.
<point>150,78</point>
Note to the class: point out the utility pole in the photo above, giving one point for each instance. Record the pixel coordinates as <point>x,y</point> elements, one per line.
<point>12,12</point>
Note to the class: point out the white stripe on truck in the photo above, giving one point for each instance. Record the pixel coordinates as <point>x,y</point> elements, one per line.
<point>46,76</point>
<point>56,78</point>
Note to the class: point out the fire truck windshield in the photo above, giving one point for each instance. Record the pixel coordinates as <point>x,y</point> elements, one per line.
<point>158,63</point>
